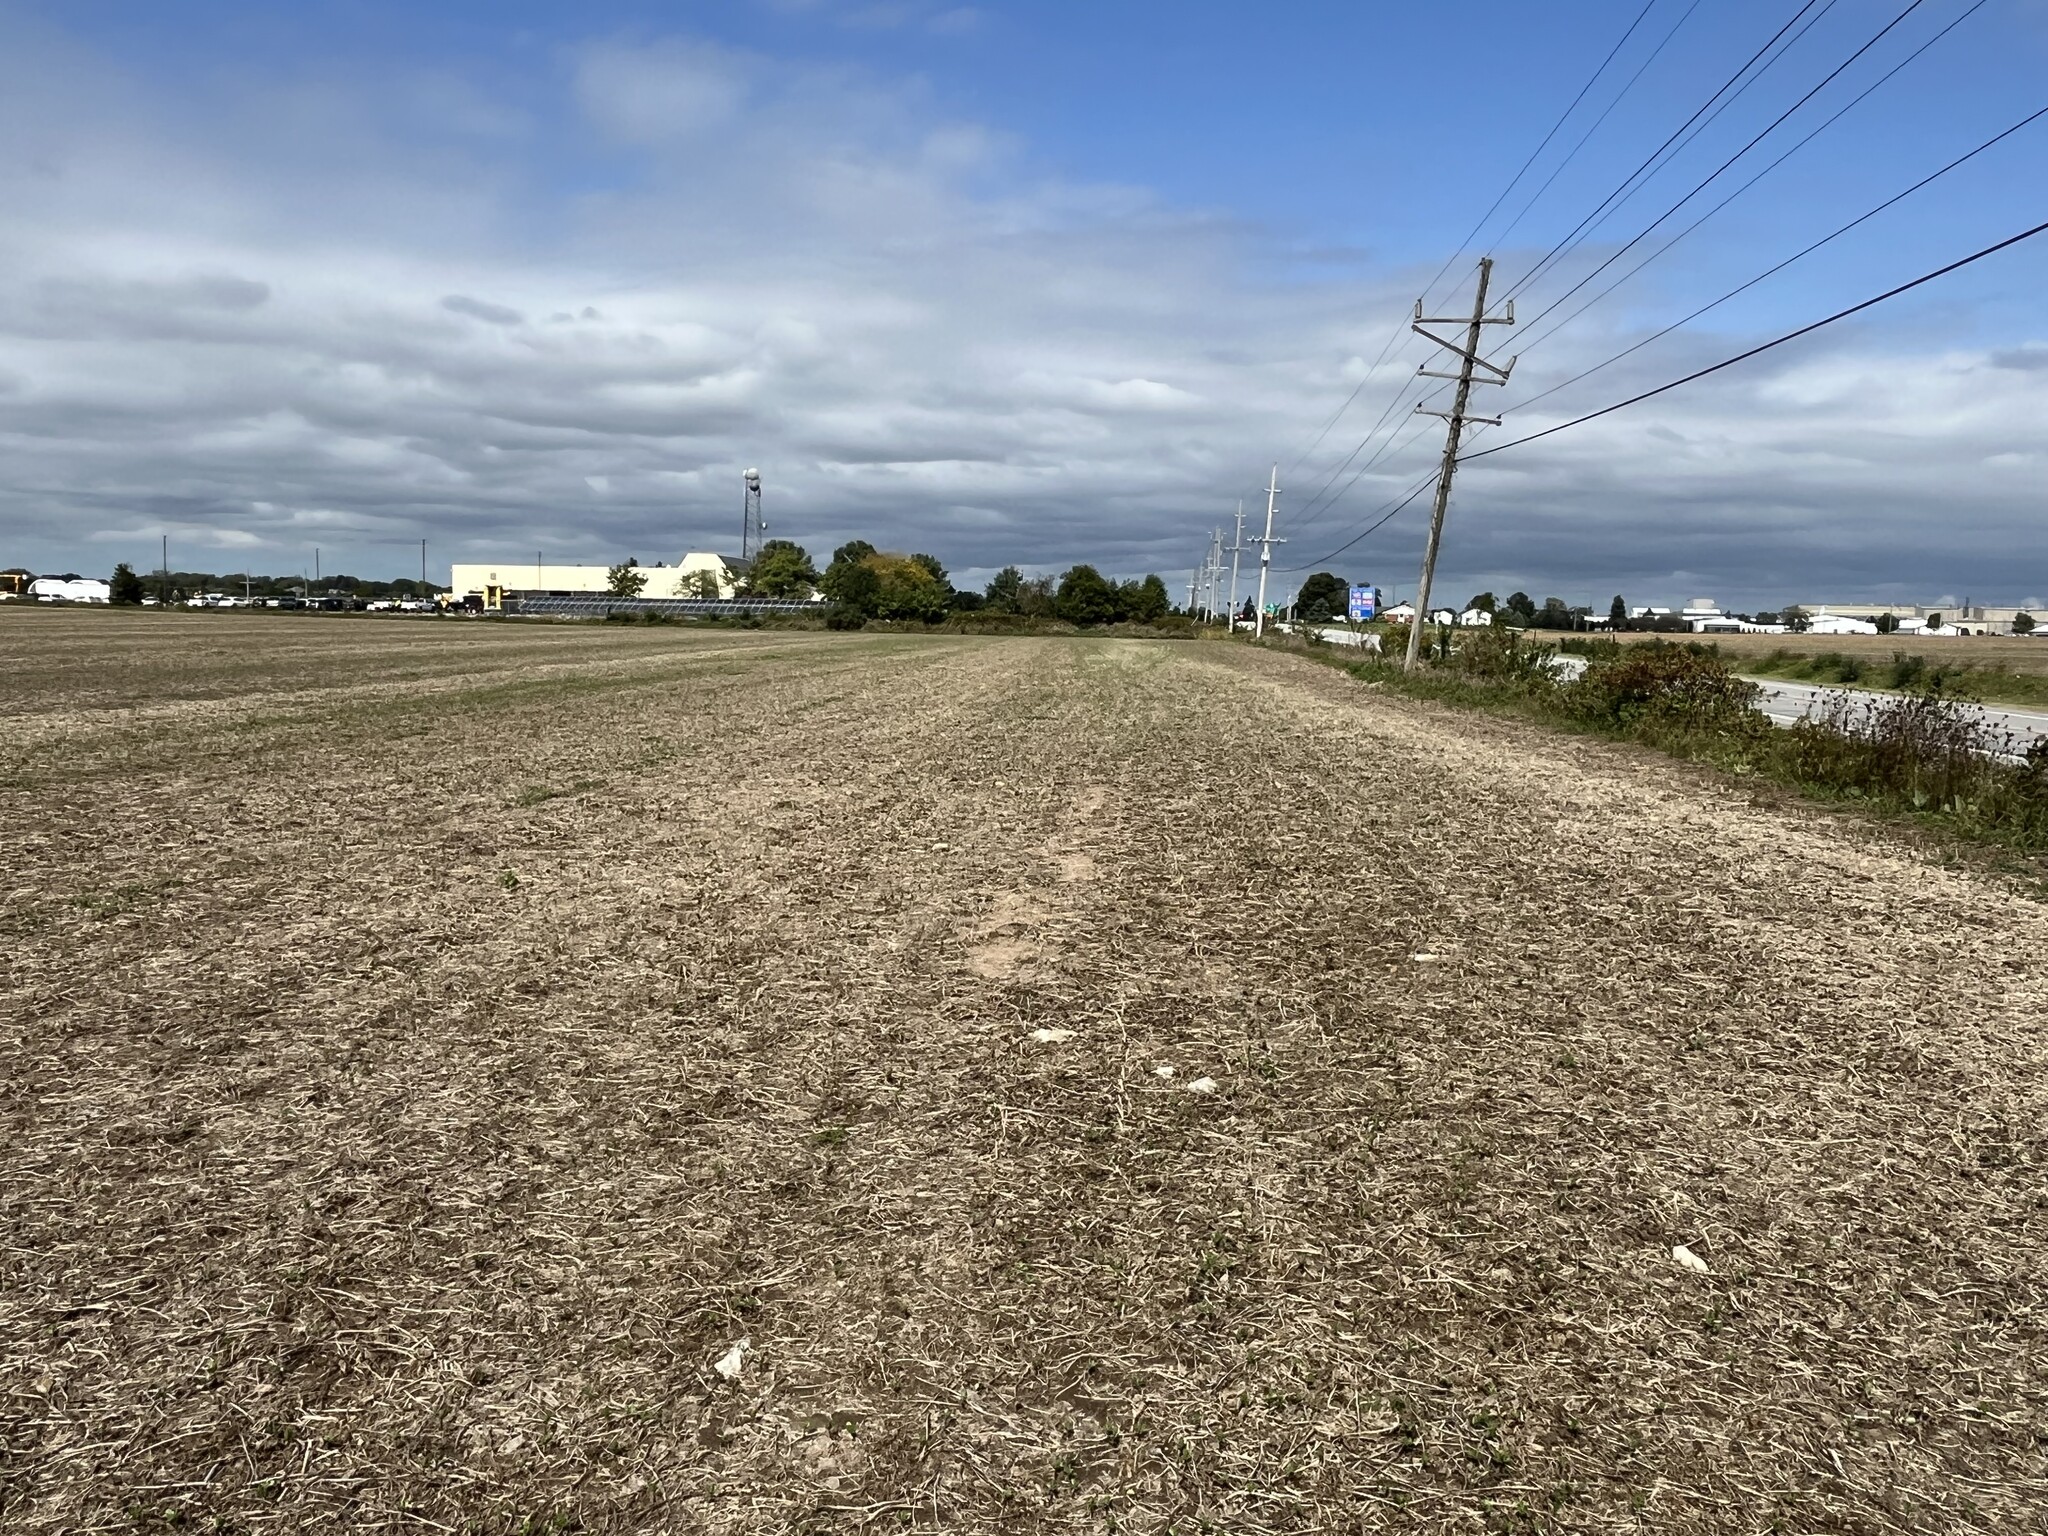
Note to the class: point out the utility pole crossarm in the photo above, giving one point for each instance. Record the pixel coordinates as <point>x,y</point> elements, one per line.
<point>1470,357</point>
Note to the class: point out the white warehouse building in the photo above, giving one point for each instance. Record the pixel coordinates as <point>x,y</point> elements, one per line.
<point>695,575</point>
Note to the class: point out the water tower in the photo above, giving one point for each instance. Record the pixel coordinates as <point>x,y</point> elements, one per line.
<point>753,529</point>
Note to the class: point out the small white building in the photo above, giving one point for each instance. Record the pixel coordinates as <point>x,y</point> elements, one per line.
<point>56,589</point>
<point>1400,613</point>
<point>1475,618</point>
<point>1443,616</point>
<point>1825,623</point>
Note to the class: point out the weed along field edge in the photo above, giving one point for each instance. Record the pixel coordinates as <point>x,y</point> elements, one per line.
<point>495,1079</point>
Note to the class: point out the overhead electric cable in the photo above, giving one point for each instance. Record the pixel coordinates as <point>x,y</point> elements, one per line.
<point>1563,117</point>
<point>1701,186</point>
<point>1397,509</point>
<point>1515,181</point>
<point>1672,151</point>
<point>1558,169</point>
<point>1331,479</point>
<point>1862,218</point>
<point>1630,180</point>
<point>1325,498</point>
<point>1740,357</point>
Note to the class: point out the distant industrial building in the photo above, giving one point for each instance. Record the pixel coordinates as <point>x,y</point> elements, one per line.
<point>493,583</point>
<point>1917,618</point>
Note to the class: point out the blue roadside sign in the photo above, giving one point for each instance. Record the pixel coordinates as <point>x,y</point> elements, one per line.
<point>1364,604</point>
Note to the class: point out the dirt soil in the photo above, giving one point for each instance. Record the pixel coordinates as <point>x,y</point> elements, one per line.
<point>747,1083</point>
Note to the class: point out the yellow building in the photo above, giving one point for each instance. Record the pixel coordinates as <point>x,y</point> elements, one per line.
<point>695,575</point>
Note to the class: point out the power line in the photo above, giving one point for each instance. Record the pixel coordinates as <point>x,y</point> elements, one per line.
<point>1804,330</point>
<point>1391,511</point>
<point>1701,186</point>
<point>1629,180</point>
<point>1542,336</point>
<point>1563,117</point>
<point>1393,443</point>
<point>1515,181</point>
<point>1559,169</point>
<point>1675,150</point>
<point>1862,218</point>
<point>1322,490</point>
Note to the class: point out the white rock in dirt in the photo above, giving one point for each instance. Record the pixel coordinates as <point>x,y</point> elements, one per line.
<point>1052,1036</point>
<point>1202,1085</point>
<point>1423,959</point>
<point>1689,1259</point>
<point>728,1364</point>
<point>1162,1072</point>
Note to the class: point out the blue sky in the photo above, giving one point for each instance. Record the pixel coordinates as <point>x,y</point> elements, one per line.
<point>1010,283</point>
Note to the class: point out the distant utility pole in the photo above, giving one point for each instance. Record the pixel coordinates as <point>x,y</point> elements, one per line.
<point>1194,581</point>
<point>423,567</point>
<point>1266,549</point>
<point>1469,359</point>
<point>1236,549</point>
<point>1215,570</point>
<point>165,584</point>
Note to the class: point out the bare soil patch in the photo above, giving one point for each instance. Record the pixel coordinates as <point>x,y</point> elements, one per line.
<point>1099,1084</point>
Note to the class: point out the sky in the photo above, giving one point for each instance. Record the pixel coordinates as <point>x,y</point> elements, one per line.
<point>1029,284</point>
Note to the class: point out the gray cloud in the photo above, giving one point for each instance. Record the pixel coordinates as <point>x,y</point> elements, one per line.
<point>919,339</point>
<point>478,309</point>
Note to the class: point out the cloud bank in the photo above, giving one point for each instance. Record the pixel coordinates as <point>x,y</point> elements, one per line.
<point>355,313</point>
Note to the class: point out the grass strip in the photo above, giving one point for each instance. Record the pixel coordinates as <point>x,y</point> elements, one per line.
<point>1920,754</point>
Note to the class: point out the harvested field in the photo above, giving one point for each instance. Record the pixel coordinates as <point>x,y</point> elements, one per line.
<point>1106,1084</point>
<point>2025,656</point>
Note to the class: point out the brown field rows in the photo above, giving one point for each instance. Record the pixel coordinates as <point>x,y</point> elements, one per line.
<point>1108,1085</point>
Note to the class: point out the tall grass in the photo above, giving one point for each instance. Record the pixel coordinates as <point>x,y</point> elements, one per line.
<point>1922,752</point>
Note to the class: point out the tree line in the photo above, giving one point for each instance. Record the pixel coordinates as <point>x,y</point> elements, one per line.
<point>861,582</point>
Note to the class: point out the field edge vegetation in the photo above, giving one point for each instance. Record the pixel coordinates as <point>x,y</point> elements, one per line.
<point>1920,754</point>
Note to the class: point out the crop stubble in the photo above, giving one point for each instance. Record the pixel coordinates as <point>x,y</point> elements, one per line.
<point>410,1098</point>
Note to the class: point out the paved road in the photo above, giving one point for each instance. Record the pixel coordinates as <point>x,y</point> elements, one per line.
<point>1786,703</point>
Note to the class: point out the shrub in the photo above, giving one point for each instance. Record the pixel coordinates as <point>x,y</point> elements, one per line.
<point>1926,748</point>
<point>1689,686</point>
<point>844,616</point>
<point>1503,656</point>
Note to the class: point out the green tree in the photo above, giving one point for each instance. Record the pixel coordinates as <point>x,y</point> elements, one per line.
<point>1322,596</point>
<point>1005,591</point>
<point>853,587</point>
<point>2022,623</point>
<point>781,570</point>
<point>1084,597</point>
<point>1521,610</point>
<point>1795,619</point>
<point>1933,621</point>
<point>626,579</point>
<point>1617,612</point>
<point>852,550</point>
<point>907,589</point>
<point>126,585</point>
<point>703,586</point>
<point>1888,624</point>
<point>1555,615</point>
<point>1485,602</point>
<point>1038,598</point>
<point>1144,602</point>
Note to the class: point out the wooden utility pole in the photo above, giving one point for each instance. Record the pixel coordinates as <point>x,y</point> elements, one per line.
<point>1469,359</point>
<point>1266,551</point>
<point>1236,549</point>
